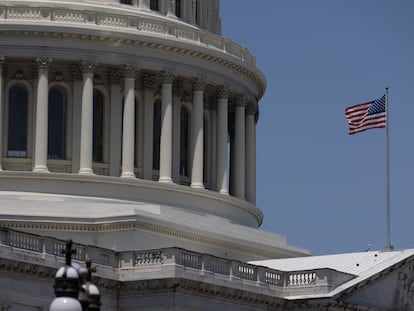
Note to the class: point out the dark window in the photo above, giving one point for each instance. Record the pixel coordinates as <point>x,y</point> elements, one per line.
<point>184,124</point>
<point>56,123</point>
<point>155,5</point>
<point>126,2</point>
<point>18,117</point>
<point>98,126</point>
<point>178,8</point>
<point>157,136</point>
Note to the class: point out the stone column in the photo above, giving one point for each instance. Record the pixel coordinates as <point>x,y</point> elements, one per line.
<point>41,130</point>
<point>128,135</point>
<point>197,135</point>
<point>171,8</point>
<point>76,116</point>
<point>239,149</point>
<point>2,61</point>
<point>251,154</point>
<point>178,92</point>
<point>145,4</point>
<point>148,82</point>
<point>86,137</point>
<point>115,122</point>
<point>222,138</point>
<point>166,129</point>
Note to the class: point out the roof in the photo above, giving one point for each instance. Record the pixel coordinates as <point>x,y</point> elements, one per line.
<point>362,265</point>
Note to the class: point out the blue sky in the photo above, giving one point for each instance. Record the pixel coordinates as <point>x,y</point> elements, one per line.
<point>323,189</point>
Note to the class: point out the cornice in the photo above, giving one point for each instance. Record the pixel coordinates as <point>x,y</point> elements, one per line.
<point>136,226</point>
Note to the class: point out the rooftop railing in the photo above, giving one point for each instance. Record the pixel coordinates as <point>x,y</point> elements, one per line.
<point>195,264</point>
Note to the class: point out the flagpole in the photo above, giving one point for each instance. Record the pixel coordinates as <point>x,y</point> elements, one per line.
<point>387,134</point>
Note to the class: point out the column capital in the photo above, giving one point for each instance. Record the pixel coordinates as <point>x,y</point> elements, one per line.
<point>87,66</point>
<point>148,80</point>
<point>198,84</point>
<point>167,77</point>
<point>240,100</point>
<point>114,74</point>
<point>223,92</point>
<point>2,61</point>
<point>251,108</point>
<point>76,72</point>
<point>43,62</point>
<point>178,88</point>
<point>130,71</point>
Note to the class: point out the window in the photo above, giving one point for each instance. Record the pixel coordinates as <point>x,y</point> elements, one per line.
<point>157,136</point>
<point>178,8</point>
<point>56,123</point>
<point>18,117</point>
<point>126,2</point>
<point>155,5</point>
<point>184,143</point>
<point>98,126</point>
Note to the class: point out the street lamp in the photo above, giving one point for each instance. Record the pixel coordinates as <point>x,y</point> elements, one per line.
<point>73,288</point>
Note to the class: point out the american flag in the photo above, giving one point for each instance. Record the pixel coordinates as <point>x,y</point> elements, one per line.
<point>362,117</point>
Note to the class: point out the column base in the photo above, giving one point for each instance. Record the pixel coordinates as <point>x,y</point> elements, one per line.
<point>40,169</point>
<point>165,180</point>
<point>197,186</point>
<point>224,191</point>
<point>86,171</point>
<point>128,175</point>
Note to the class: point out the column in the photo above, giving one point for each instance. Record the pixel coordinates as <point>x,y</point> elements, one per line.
<point>239,150</point>
<point>170,8</point>
<point>166,129</point>
<point>148,82</point>
<point>2,61</point>
<point>128,136</point>
<point>40,156</point>
<point>178,91</point>
<point>222,137</point>
<point>251,153</point>
<point>76,116</point>
<point>197,135</point>
<point>86,137</point>
<point>115,134</point>
<point>145,4</point>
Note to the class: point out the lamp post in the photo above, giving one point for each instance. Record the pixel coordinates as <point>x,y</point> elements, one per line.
<point>73,288</point>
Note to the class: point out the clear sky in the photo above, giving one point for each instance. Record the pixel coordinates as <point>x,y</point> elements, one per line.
<point>322,188</point>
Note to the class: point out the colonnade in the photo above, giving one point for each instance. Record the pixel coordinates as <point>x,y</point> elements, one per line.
<point>123,125</point>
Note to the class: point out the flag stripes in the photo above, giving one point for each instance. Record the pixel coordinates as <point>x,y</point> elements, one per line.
<point>362,117</point>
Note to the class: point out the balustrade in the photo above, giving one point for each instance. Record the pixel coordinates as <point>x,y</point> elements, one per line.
<point>77,15</point>
<point>199,263</point>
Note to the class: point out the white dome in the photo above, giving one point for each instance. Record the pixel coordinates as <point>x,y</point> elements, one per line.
<point>65,304</point>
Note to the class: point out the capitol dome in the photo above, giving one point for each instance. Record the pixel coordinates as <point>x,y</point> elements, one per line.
<point>130,124</point>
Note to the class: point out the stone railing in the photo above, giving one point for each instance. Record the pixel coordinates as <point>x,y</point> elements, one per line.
<point>83,15</point>
<point>194,263</point>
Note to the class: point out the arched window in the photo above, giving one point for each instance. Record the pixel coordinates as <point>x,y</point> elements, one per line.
<point>157,136</point>
<point>98,126</point>
<point>56,123</point>
<point>184,141</point>
<point>155,5</point>
<point>18,117</point>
